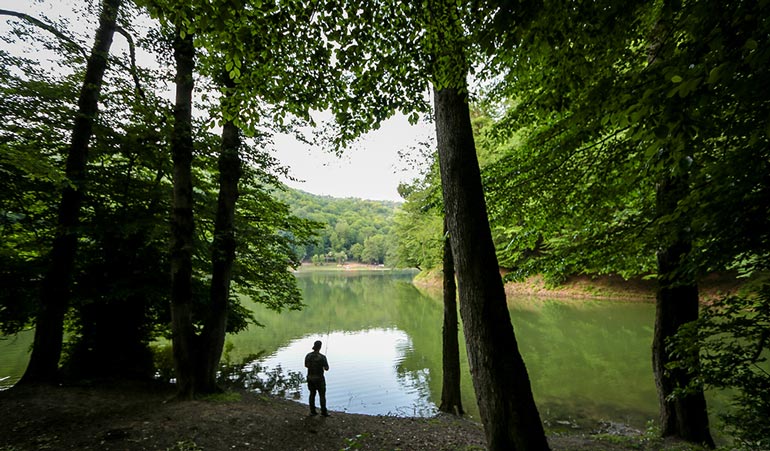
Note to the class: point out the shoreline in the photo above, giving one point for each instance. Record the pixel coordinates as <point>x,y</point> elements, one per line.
<point>603,288</point>
<point>134,416</point>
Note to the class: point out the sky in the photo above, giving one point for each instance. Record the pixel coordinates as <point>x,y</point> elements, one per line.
<point>369,169</point>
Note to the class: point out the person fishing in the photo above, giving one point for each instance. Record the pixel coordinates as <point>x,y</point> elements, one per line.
<point>316,364</point>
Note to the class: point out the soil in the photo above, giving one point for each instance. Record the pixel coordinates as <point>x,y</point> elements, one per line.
<point>132,417</point>
<point>605,287</point>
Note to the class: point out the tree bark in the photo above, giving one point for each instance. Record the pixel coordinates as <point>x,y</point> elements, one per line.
<point>451,401</point>
<point>222,256</point>
<point>49,326</point>
<point>503,392</point>
<point>677,295</point>
<point>676,304</point>
<point>182,223</point>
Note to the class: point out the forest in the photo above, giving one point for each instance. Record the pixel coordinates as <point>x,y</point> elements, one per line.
<point>348,229</point>
<point>141,198</point>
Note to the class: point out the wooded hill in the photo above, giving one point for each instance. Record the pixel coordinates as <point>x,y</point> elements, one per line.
<point>348,229</point>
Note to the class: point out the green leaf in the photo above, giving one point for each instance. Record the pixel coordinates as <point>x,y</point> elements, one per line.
<point>714,74</point>
<point>676,79</point>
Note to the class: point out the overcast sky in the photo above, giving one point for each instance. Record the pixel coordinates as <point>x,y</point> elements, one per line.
<point>370,169</point>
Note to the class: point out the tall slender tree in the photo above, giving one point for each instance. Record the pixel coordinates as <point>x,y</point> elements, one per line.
<point>503,391</point>
<point>182,220</point>
<point>212,337</point>
<point>54,297</point>
<point>677,301</point>
<point>451,399</point>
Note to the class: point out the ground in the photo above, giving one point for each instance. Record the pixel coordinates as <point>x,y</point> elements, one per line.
<point>132,417</point>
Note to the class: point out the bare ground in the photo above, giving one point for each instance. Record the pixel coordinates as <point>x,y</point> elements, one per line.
<point>145,417</point>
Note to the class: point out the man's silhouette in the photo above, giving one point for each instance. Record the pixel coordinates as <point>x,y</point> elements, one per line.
<point>316,364</point>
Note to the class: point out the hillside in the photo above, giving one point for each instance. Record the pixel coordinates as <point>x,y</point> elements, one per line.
<point>349,229</point>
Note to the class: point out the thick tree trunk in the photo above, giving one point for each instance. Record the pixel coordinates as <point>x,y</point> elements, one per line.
<point>503,392</point>
<point>46,351</point>
<point>451,400</point>
<point>676,304</point>
<point>182,224</point>
<point>677,297</point>
<point>222,258</point>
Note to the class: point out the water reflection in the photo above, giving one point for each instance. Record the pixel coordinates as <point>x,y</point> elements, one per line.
<point>588,361</point>
<point>14,355</point>
<point>364,374</point>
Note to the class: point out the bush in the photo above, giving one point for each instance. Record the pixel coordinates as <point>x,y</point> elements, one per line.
<point>733,339</point>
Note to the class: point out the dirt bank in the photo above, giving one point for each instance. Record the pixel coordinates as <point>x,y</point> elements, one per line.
<point>599,287</point>
<point>143,417</point>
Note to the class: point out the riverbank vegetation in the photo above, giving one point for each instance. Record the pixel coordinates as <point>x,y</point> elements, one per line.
<point>606,138</point>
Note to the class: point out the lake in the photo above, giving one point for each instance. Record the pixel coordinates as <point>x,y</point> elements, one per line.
<point>588,360</point>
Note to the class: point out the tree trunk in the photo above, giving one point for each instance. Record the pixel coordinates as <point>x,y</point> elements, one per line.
<point>676,304</point>
<point>451,400</point>
<point>677,296</point>
<point>182,224</point>
<point>222,256</point>
<point>49,326</point>
<point>503,392</point>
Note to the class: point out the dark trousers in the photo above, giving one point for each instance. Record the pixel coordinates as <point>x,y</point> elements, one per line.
<point>317,385</point>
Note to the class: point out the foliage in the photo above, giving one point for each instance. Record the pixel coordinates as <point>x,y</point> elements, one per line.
<point>249,374</point>
<point>356,442</point>
<point>595,117</point>
<point>733,335</point>
<point>419,224</point>
<point>353,228</point>
<point>122,265</point>
<point>36,113</point>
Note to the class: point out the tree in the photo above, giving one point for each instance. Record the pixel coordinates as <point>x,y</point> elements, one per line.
<point>503,392</point>
<point>222,254</point>
<point>29,145</point>
<point>676,304</point>
<point>236,40</point>
<point>374,249</point>
<point>500,379</point>
<point>46,350</point>
<point>182,222</point>
<point>627,146</point>
<point>417,224</point>
<point>120,270</point>
<point>451,401</point>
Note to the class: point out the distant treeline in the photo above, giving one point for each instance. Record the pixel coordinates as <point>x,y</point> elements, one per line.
<point>348,229</point>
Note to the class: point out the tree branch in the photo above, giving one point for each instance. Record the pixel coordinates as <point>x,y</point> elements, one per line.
<point>69,41</point>
<point>132,55</point>
<point>50,28</point>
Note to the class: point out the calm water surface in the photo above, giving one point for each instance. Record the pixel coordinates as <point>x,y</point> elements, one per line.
<point>587,360</point>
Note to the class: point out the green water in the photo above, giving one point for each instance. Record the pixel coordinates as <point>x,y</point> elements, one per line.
<point>14,355</point>
<point>588,361</point>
